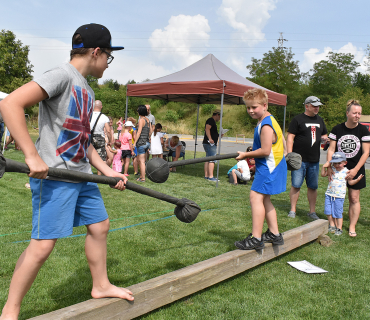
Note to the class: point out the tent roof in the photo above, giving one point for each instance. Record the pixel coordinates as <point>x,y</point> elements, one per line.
<point>202,82</point>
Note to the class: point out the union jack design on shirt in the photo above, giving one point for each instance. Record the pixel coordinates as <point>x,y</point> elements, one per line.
<point>74,139</point>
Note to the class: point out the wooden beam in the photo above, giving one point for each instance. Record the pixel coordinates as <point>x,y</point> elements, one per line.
<point>162,290</point>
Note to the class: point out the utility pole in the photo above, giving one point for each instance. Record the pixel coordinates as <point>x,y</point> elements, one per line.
<point>281,41</point>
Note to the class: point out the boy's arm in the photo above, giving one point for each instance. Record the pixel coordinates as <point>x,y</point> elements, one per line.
<point>101,166</point>
<point>267,134</point>
<point>12,110</point>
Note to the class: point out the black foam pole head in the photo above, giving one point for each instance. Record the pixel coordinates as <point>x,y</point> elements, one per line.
<point>187,210</point>
<point>157,170</point>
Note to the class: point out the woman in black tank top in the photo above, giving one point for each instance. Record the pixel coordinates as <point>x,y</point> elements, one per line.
<point>142,139</point>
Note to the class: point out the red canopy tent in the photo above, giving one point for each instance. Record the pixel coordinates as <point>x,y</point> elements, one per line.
<point>203,82</point>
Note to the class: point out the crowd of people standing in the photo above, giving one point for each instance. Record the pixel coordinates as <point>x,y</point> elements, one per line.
<point>134,141</point>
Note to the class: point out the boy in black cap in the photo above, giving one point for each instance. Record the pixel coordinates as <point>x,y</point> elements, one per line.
<point>65,107</point>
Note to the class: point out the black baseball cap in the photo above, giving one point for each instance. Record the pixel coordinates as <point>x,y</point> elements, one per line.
<point>94,35</point>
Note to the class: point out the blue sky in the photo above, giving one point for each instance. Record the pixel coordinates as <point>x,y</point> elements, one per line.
<point>161,37</point>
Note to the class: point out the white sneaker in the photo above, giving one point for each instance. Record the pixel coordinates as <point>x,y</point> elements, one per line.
<point>291,214</point>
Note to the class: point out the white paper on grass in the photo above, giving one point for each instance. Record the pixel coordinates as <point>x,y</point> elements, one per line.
<point>306,267</point>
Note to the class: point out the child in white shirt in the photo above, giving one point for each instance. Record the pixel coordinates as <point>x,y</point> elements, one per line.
<point>336,192</point>
<point>239,172</point>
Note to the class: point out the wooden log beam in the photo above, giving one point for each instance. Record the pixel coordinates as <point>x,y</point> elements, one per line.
<point>154,293</point>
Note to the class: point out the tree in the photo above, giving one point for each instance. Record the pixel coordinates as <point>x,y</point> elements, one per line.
<point>362,81</point>
<point>15,68</point>
<point>112,84</point>
<point>336,107</point>
<point>278,71</point>
<point>367,62</point>
<point>93,82</point>
<point>330,78</point>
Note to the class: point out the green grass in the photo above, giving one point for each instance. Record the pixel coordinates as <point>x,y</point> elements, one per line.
<point>146,241</point>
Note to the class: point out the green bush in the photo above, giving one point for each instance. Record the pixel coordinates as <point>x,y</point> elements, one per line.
<point>181,113</point>
<point>207,109</point>
<point>172,116</point>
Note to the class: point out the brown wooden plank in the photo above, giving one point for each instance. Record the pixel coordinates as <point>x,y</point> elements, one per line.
<point>162,290</point>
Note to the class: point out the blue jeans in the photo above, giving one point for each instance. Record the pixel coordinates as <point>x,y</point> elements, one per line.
<point>210,150</point>
<point>308,171</point>
<point>142,149</point>
<point>173,154</point>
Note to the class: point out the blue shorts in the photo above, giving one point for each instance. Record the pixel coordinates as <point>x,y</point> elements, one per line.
<point>308,171</point>
<point>142,149</point>
<point>334,207</point>
<point>59,206</point>
<point>173,154</point>
<point>210,150</point>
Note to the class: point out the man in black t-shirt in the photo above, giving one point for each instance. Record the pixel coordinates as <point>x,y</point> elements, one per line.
<point>304,137</point>
<point>210,143</point>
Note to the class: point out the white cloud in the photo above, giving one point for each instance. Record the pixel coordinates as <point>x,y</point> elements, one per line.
<point>247,18</point>
<point>45,53</point>
<point>173,44</point>
<point>314,55</point>
<point>125,68</point>
<point>237,63</point>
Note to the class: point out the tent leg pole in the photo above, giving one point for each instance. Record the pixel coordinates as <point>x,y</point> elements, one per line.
<point>284,121</point>
<point>219,138</point>
<point>126,105</point>
<point>196,133</point>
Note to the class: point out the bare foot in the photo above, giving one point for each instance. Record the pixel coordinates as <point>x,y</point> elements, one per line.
<point>112,292</point>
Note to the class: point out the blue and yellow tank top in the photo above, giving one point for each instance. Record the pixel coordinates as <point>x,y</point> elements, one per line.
<point>271,171</point>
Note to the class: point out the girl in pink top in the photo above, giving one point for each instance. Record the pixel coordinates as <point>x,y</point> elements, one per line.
<point>126,146</point>
<point>117,152</point>
<point>119,123</point>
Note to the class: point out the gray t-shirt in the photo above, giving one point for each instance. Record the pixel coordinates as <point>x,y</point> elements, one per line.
<point>151,119</point>
<point>64,119</point>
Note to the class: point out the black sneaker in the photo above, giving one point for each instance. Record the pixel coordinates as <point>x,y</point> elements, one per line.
<point>268,236</point>
<point>250,243</point>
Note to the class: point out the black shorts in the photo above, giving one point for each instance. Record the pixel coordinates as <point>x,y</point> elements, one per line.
<point>362,183</point>
<point>126,154</point>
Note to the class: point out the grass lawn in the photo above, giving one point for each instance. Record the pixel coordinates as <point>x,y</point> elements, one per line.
<point>146,241</point>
